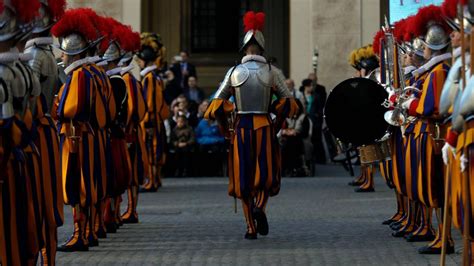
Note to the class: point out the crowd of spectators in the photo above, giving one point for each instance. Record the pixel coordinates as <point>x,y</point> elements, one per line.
<point>197,147</point>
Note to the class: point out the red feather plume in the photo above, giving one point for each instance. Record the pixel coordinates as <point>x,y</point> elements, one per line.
<point>76,21</point>
<point>380,35</point>
<point>399,30</point>
<point>254,21</point>
<point>107,28</point>
<point>2,6</point>
<point>408,32</point>
<point>26,10</point>
<point>425,16</point>
<point>449,8</point>
<point>128,39</point>
<point>56,8</point>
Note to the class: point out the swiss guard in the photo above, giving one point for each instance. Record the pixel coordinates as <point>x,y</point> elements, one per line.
<point>254,157</point>
<point>74,107</point>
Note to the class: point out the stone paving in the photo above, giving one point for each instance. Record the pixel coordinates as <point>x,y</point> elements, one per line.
<point>314,221</point>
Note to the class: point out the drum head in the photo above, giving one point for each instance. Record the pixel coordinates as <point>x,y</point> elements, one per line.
<point>354,111</point>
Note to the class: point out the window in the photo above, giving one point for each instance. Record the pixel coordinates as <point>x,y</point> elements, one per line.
<point>215,26</point>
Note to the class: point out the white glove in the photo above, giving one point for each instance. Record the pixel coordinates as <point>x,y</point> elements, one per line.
<point>406,104</point>
<point>446,150</point>
<point>464,163</point>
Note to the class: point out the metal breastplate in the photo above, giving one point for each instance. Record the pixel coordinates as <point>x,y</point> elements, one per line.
<point>45,67</point>
<point>6,108</point>
<point>252,82</point>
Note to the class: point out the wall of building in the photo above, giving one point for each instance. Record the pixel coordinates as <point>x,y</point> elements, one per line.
<point>335,28</point>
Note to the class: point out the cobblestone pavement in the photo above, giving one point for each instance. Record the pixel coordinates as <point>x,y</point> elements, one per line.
<point>318,221</point>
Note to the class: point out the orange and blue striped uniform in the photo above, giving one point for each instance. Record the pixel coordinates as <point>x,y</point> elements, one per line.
<point>135,138</point>
<point>428,130</point>
<point>104,113</point>
<point>137,109</point>
<point>157,111</point>
<point>48,145</point>
<point>76,100</point>
<point>250,173</point>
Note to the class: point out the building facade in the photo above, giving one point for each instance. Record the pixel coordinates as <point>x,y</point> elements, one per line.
<point>211,30</point>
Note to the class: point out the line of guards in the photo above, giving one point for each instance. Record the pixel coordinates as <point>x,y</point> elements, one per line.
<point>82,140</point>
<point>432,134</point>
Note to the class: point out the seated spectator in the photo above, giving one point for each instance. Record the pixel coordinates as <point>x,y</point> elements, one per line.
<point>208,134</point>
<point>188,109</point>
<point>193,92</point>
<point>182,139</point>
<point>292,143</point>
<point>172,88</point>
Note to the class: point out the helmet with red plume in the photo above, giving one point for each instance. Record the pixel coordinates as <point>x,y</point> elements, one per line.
<point>17,17</point>
<point>111,45</point>
<point>50,12</point>
<point>254,23</point>
<point>75,31</point>
<point>431,26</point>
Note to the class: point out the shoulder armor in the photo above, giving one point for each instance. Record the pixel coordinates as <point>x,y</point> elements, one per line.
<point>239,76</point>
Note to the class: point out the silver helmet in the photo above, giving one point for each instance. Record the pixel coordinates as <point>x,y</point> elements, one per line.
<point>73,44</point>
<point>113,52</point>
<point>436,38</point>
<point>415,47</point>
<point>455,24</point>
<point>9,27</point>
<point>44,20</point>
<point>254,35</point>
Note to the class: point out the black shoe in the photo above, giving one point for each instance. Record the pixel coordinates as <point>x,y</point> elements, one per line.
<point>354,183</point>
<point>250,236</point>
<point>419,238</point>
<point>93,242</point>
<point>400,233</point>
<point>132,219</point>
<point>101,233</point>
<point>396,225</point>
<point>262,223</point>
<point>433,250</point>
<point>364,189</point>
<point>388,222</point>
<point>111,228</point>
<point>78,246</point>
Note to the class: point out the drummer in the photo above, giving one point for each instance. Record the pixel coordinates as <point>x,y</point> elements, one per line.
<point>364,61</point>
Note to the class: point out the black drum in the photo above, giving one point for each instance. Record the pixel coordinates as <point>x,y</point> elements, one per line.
<point>354,112</point>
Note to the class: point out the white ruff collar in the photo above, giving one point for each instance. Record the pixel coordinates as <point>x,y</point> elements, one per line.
<point>94,59</point>
<point>9,57</point>
<point>39,41</point>
<point>147,70</point>
<point>408,69</point>
<point>126,69</point>
<point>114,71</point>
<point>432,62</point>
<point>75,65</point>
<point>254,57</point>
